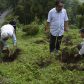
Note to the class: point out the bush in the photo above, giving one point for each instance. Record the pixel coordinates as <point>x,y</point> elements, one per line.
<point>31,29</point>
<point>73,27</point>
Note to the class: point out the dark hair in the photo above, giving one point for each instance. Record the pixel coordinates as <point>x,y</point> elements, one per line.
<point>82,30</point>
<point>58,1</point>
<point>12,22</point>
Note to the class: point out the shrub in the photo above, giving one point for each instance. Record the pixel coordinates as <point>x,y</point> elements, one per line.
<point>31,29</point>
<point>73,27</point>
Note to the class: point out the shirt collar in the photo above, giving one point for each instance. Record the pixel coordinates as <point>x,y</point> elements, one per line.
<point>59,12</point>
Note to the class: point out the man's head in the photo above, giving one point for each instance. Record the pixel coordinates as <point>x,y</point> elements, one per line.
<point>59,5</point>
<point>4,36</point>
<point>82,32</point>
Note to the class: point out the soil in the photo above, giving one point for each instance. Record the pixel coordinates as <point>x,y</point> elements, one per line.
<point>6,58</point>
<point>68,56</point>
<point>67,41</point>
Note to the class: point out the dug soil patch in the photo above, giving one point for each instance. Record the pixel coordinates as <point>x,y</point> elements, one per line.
<point>67,40</point>
<point>12,57</point>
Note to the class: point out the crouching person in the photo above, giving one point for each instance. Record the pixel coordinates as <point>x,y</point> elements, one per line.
<point>7,32</point>
<point>81,51</point>
<point>81,46</point>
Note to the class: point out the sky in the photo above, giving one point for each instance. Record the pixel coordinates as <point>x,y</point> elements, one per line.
<point>81,0</point>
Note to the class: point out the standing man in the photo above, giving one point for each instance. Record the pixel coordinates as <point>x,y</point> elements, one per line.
<point>57,23</point>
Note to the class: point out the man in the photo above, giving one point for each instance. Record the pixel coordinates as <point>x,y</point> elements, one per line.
<point>57,22</point>
<point>7,31</point>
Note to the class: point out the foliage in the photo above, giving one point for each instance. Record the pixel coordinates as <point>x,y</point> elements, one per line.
<point>31,29</point>
<point>81,15</point>
<point>40,8</point>
<point>24,70</point>
<point>73,27</point>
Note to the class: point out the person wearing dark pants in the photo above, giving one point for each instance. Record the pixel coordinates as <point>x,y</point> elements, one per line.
<point>55,42</point>
<point>57,23</point>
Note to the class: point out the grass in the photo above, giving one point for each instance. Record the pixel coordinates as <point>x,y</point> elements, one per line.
<point>24,69</point>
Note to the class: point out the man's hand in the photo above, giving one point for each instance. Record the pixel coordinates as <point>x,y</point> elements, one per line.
<point>47,29</point>
<point>14,48</point>
<point>66,29</point>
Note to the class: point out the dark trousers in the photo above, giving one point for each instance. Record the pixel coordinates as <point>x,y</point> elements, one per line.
<point>55,42</point>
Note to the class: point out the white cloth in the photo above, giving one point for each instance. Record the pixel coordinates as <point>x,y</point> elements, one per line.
<point>8,30</point>
<point>56,21</point>
<point>81,52</point>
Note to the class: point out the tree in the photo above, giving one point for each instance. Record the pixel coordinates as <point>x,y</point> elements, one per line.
<point>81,15</point>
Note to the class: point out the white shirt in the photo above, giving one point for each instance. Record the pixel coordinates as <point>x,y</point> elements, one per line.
<point>9,29</point>
<point>56,21</point>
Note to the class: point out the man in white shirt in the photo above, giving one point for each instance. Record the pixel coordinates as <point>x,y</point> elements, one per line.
<point>7,31</point>
<point>57,23</point>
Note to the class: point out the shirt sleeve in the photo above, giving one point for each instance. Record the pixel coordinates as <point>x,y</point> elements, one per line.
<point>14,39</point>
<point>81,52</point>
<point>49,17</point>
<point>66,16</point>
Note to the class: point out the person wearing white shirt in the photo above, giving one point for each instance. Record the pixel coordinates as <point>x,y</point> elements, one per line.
<point>7,31</point>
<point>57,23</point>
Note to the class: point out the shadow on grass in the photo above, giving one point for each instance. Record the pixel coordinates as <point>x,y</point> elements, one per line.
<point>72,67</point>
<point>43,62</point>
<point>41,41</point>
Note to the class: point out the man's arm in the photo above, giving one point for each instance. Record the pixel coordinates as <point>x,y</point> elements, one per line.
<point>66,27</point>
<point>14,40</point>
<point>47,28</point>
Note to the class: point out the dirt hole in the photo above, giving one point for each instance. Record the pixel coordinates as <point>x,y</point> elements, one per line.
<point>12,57</point>
<point>67,40</point>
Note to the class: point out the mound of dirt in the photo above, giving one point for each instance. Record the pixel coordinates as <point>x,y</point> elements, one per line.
<point>68,55</point>
<point>12,57</point>
<point>67,40</point>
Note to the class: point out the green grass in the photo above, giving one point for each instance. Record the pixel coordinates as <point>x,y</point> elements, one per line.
<point>25,71</point>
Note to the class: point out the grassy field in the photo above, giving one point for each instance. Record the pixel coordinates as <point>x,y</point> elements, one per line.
<point>34,49</point>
